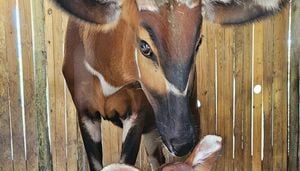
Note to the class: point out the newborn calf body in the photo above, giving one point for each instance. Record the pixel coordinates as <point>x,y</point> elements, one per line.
<point>202,158</point>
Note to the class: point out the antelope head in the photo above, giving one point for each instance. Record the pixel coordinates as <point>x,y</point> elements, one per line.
<point>168,34</point>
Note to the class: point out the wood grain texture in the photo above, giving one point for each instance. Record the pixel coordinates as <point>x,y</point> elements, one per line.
<point>40,85</point>
<point>294,143</point>
<point>267,93</point>
<point>280,91</point>
<point>239,97</point>
<point>247,91</point>
<point>14,87</point>
<point>28,79</point>
<point>206,81</point>
<point>220,42</point>
<point>5,134</point>
<point>72,151</point>
<point>224,44</point>
<point>57,95</point>
<point>227,97</point>
<point>257,94</point>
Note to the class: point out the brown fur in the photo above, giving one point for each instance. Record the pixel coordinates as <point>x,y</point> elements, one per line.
<point>109,48</point>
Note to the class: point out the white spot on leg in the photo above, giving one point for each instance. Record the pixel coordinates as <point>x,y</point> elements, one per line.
<point>93,128</point>
<point>128,123</point>
<point>96,164</point>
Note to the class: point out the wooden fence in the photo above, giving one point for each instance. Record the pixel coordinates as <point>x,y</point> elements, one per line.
<point>248,85</point>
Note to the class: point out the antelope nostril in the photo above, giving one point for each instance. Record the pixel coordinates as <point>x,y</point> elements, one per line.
<point>182,146</point>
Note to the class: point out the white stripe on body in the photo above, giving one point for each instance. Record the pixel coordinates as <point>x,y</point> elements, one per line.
<point>107,88</point>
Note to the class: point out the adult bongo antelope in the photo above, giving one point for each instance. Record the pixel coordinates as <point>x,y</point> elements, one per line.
<point>151,41</point>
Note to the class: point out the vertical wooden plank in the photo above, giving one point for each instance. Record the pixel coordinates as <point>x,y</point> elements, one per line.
<point>82,162</point>
<point>105,127</point>
<point>247,91</point>
<point>206,80</point>
<point>5,142</point>
<point>71,134</point>
<point>239,97</point>
<point>71,119</point>
<point>114,143</point>
<point>267,93</point>
<point>226,105</point>
<point>211,77</point>
<point>50,65</point>
<point>224,41</point>
<point>28,75</point>
<point>294,142</point>
<point>257,94</point>
<point>58,94</point>
<point>40,59</point>
<point>145,165</point>
<point>280,91</point>
<point>220,41</point>
<point>202,71</point>
<point>14,87</point>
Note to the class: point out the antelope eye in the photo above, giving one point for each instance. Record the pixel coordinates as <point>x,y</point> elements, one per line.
<point>145,49</point>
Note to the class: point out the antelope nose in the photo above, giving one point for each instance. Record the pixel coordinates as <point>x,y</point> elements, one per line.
<point>182,147</point>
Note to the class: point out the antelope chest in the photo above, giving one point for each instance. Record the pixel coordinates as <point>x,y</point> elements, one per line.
<point>107,88</point>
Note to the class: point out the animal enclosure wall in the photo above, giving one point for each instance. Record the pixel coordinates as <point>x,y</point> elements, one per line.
<point>248,85</point>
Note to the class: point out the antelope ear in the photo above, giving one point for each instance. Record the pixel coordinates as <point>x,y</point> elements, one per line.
<point>240,11</point>
<point>94,11</point>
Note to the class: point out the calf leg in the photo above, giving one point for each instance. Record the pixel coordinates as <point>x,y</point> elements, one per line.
<point>154,149</point>
<point>91,134</point>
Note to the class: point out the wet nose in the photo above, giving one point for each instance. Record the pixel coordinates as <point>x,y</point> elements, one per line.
<point>182,146</point>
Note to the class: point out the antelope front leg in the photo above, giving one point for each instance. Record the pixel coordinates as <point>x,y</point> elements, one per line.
<point>91,134</point>
<point>131,139</point>
<point>154,149</point>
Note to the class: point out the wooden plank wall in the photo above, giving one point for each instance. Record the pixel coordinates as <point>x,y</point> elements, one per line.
<point>248,86</point>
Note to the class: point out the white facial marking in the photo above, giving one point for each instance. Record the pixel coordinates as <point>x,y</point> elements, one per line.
<point>147,5</point>
<point>189,3</point>
<point>208,145</point>
<point>154,5</point>
<point>93,128</point>
<point>172,88</point>
<point>137,62</point>
<point>268,4</point>
<point>128,123</point>
<point>118,167</point>
<point>107,88</point>
<point>96,164</point>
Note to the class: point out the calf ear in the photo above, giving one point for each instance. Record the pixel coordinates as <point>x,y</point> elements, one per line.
<point>240,11</point>
<point>205,153</point>
<point>119,167</point>
<point>95,11</point>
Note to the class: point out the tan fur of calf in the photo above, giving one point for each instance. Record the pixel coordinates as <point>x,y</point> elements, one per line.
<point>202,158</point>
